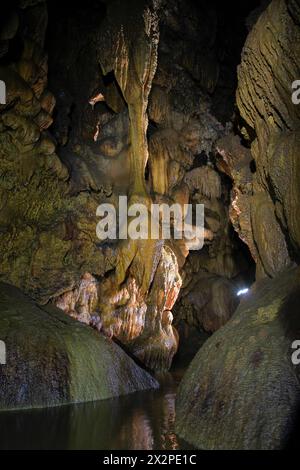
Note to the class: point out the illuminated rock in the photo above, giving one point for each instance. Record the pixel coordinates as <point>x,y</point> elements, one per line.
<point>54,360</point>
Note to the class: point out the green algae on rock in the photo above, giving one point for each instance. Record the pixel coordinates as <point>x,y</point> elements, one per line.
<point>52,359</point>
<point>242,390</point>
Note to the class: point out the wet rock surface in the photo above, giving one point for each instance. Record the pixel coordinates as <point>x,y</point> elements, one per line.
<point>243,385</point>
<point>53,360</point>
<point>265,196</point>
<point>243,378</point>
<point>140,122</point>
<point>154,101</point>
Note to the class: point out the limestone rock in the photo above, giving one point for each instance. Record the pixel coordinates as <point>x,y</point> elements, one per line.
<point>242,387</point>
<point>138,122</point>
<point>208,303</point>
<point>52,359</point>
<point>271,128</point>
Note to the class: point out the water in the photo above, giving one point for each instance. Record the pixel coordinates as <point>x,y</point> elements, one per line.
<point>142,420</point>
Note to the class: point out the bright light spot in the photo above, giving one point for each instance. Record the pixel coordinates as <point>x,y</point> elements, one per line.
<point>242,291</point>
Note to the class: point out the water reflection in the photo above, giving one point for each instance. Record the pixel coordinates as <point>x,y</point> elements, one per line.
<point>143,420</point>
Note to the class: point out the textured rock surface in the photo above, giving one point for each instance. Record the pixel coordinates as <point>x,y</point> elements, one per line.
<point>52,359</point>
<point>141,121</point>
<point>181,142</point>
<point>153,117</point>
<point>243,390</point>
<point>48,237</point>
<point>208,302</point>
<point>242,386</point>
<point>101,140</point>
<point>265,202</point>
<point>49,246</point>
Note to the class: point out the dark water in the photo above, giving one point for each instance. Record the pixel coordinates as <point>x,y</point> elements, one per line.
<point>142,420</point>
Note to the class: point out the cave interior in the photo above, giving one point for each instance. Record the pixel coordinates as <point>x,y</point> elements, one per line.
<point>172,102</point>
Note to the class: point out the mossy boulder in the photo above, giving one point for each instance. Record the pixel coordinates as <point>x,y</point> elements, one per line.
<point>242,390</point>
<point>52,359</point>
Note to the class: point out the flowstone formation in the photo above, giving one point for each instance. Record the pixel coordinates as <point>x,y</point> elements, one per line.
<point>141,122</point>
<point>48,234</point>
<point>189,110</point>
<point>49,246</point>
<point>133,302</point>
<point>243,386</point>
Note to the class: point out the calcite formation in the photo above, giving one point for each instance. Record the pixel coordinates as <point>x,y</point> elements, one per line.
<point>155,168</point>
<point>44,228</point>
<point>145,100</point>
<point>142,122</point>
<point>244,378</point>
<point>265,201</point>
<point>146,120</point>
<point>182,136</point>
<point>49,246</point>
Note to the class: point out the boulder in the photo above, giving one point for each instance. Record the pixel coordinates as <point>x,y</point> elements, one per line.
<point>242,390</point>
<point>52,359</point>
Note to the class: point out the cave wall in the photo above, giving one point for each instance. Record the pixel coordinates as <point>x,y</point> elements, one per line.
<point>139,95</point>
<point>49,246</point>
<point>243,385</point>
<point>265,201</point>
<point>47,231</point>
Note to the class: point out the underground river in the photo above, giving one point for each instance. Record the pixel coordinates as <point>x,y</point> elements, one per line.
<point>142,420</point>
